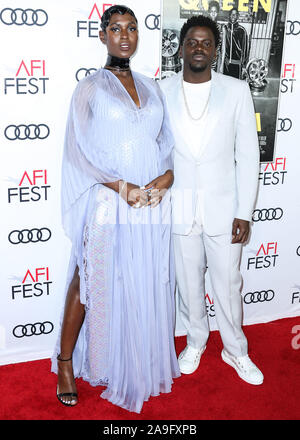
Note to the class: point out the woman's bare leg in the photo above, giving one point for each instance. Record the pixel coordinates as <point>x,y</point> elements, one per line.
<point>73,318</point>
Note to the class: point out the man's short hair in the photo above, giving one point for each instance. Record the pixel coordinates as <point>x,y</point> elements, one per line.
<point>233,9</point>
<point>200,21</point>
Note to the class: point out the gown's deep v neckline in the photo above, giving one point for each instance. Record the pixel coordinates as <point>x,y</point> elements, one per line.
<point>137,107</point>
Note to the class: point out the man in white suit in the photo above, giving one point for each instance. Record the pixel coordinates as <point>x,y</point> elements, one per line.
<point>216,165</point>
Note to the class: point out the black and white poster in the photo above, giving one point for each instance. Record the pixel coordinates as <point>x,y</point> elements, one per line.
<point>252,36</point>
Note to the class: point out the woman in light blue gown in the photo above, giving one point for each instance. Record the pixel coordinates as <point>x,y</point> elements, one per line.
<point>117,328</point>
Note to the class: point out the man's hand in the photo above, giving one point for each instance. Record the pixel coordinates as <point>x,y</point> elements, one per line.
<point>240,231</point>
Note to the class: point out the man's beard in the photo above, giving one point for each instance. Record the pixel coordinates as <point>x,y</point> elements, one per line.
<point>198,69</point>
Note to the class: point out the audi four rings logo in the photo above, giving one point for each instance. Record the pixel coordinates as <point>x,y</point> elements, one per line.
<point>22,132</point>
<point>284,124</point>
<point>267,214</point>
<point>152,22</point>
<point>256,297</point>
<point>19,16</point>
<point>83,72</point>
<point>292,27</point>
<point>29,235</point>
<point>36,329</point>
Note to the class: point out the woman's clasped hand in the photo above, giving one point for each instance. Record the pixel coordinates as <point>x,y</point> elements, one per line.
<point>150,194</point>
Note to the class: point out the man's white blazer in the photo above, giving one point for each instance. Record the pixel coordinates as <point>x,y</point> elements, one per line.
<point>225,173</point>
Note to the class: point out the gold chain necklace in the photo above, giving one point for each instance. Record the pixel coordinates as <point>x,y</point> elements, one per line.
<point>187,107</point>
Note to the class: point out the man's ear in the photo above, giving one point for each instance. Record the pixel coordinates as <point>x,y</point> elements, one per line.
<point>102,36</point>
<point>180,51</point>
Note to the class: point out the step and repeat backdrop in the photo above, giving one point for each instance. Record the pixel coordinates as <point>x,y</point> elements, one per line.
<point>47,47</point>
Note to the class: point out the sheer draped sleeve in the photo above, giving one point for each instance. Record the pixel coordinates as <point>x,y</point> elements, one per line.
<point>85,159</point>
<point>97,150</point>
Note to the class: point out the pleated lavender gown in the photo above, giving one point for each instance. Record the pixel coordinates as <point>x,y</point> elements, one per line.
<point>124,254</point>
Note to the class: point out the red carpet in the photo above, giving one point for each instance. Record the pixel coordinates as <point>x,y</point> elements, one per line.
<point>213,392</point>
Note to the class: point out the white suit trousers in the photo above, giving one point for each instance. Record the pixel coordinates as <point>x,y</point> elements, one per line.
<point>193,253</point>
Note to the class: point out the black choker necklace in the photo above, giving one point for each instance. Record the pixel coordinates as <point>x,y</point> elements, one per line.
<point>116,63</point>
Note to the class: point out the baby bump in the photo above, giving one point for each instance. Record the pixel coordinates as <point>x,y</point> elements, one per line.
<point>138,160</point>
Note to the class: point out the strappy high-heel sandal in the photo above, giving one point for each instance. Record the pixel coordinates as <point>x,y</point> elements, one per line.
<point>60,396</point>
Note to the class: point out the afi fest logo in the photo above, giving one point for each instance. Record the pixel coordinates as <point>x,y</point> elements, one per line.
<point>288,78</point>
<point>91,26</point>
<point>296,297</point>
<point>32,187</point>
<point>273,173</point>
<point>210,307</point>
<point>30,78</point>
<point>265,257</point>
<point>35,283</point>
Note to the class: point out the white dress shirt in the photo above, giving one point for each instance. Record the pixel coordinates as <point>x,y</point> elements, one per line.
<point>196,98</point>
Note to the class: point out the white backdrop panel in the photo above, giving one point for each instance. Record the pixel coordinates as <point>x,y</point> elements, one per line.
<point>38,76</point>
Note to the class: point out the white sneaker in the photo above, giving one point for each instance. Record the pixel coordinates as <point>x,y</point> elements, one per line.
<point>189,359</point>
<point>244,367</point>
